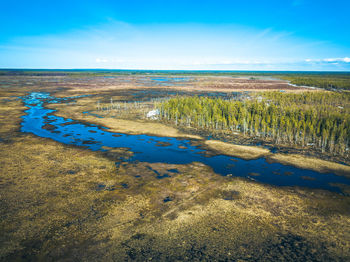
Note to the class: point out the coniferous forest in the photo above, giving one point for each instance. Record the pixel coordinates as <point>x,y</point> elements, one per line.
<point>335,81</point>
<point>314,119</point>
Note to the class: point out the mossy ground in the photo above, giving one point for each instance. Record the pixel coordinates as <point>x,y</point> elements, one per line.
<point>66,203</point>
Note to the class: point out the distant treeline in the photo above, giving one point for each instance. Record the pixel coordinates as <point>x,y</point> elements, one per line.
<point>317,119</point>
<point>326,81</point>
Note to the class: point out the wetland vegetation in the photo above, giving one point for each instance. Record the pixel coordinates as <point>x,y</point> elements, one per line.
<point>67,194</point>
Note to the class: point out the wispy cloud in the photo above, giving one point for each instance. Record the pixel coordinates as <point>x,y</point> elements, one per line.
<point>329,60</point>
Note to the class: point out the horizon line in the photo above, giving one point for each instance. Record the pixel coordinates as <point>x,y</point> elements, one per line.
<point>179,70</point>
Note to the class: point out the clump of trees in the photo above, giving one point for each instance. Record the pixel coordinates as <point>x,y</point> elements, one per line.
<point>318,119</point>
<point>326,81</point>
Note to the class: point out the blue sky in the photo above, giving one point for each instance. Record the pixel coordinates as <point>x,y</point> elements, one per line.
<point>219,35</point>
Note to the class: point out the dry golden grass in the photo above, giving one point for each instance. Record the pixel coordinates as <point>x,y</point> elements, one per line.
<point>203,83</point>
<point>258,223</point>
<point>52,208</point>
<point>191,88</point>
<point>244,152</point>
<point>47,190</point>
<point>315,164</point>
<point>10,118</point>
<point>138,127</point>
<point>300,161</point>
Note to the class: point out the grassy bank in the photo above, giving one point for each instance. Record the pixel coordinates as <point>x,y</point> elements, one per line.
<point>244,152</point>
<point>297,160</point>
<point>315,164</point>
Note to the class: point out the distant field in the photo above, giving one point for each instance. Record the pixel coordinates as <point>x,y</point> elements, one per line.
<point>325,80</point>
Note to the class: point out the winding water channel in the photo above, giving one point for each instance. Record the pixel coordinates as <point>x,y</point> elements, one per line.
<point>169,150</point>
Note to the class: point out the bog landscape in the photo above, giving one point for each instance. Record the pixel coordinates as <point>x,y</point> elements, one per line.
<point>174,130</point>
<point>171,165</point>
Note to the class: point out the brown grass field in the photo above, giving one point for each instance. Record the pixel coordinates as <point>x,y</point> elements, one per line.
<point>66,203</point>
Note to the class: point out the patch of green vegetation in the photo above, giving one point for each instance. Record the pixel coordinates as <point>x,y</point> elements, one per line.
<point>318,119</point>
<point>329,81</point>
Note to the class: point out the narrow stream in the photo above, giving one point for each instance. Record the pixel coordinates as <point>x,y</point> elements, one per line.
<point>169,150</point>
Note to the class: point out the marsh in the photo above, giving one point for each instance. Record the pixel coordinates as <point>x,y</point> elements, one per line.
<point>115,187</point>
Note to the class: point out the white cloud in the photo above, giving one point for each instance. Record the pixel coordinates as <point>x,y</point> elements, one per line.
<point>329,60</point>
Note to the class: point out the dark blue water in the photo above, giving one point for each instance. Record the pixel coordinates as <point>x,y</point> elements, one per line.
<point>147,148</point>
<point>171,79</point>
